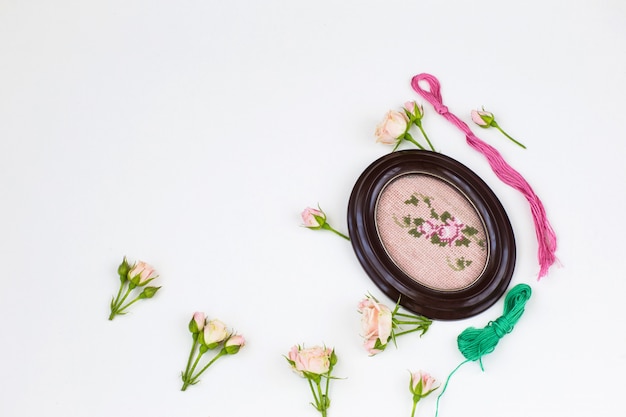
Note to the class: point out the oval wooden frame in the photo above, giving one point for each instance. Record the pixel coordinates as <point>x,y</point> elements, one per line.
<point>390,279</point>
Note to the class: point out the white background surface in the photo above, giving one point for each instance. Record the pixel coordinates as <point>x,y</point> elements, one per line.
<point>191,134</point>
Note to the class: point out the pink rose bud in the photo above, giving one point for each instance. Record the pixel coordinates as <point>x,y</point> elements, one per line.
<point>414,111</point>
<point>214,333</point>
<point>392,128</point>
<point>482,118</point>
<point>422,384</point>
<point>141,273</point>
<point>234,343</point>
<point>197,322</point>
<point>486,119</point>
<point>313,218</point>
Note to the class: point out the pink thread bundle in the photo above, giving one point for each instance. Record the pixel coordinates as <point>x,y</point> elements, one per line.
<point>545,234</point>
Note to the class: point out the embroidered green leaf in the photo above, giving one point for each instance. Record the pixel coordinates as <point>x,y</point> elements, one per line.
<point>436,241</point>
<point>407,220</point>
<point>460,263</point>
<point>469,231</point>
<point>418,221</point>
<point>413,200</point>
<point>445,216</point>
<point>481,243</point>
<point>427,201</point>
<point>462,242</point>
<point>434,214</point>
<point>415,232</point>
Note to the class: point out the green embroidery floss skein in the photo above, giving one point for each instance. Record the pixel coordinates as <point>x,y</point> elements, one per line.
<point>475,343</point>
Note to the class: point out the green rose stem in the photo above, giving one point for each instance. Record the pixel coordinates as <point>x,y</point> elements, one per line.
<point>147,292</point>
<point>408,137</point>
<point>321,399</point>
<point>194,379</point>
<point>494,124</point>
<point>422,323</point>
<point>414,407</point>
<point>117,303</point>
<point>187,379</point>
<point>418,123</point>
<point>326,226</point>
<point>317,401</point>
<point>193,350</point>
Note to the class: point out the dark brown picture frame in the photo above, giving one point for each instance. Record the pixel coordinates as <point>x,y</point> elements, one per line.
<point>396,284</point>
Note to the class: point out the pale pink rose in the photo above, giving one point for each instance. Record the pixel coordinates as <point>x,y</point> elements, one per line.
<point>234,343</point>
<point>482,118</point>
<point>141,272</point>
<point>376,322</point>
<point>428,383</point>
<point>309,218</point>
<point>315,360</point>
<point>215,332</point>
<point>392,127</point>
<point>370,346</point>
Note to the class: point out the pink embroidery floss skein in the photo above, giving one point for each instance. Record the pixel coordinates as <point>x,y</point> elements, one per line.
<point>546,237</point>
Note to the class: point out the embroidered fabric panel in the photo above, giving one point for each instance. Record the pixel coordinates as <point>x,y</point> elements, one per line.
<point>431,232</point>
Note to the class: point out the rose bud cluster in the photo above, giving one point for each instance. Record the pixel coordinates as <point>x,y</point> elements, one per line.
<point>395,126</point>
<point>208,335</point>
<point>132,278</point>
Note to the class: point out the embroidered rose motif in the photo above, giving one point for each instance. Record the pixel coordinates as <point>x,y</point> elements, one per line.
<point>450,232</point>
<point>441,229</point>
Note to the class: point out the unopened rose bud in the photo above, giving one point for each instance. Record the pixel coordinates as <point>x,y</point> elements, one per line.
<point>422,384</point>
<point>197,322</point>
<point>482,118</point>
<point>123,269</point>
<point>414,111</point>
<point>141,273</point>
<point>313,218</point>
<point>234,343</point>
<point>148,292</point>
<point>486,119</point>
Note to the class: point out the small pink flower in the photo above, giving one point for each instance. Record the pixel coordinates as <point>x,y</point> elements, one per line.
<point>414,111</point>
<point>313,218</point>
<point>234,343</point>
<point>391,128</point>
<point>482,118</point>
<point>314,360</point>
<point>376,324</point>
<point>422,384</point>
<point>214,333</point>
<point>197,322</point>
<point>141,273</point>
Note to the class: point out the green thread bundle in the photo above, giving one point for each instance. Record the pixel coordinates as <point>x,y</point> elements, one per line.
<point>475,343</point>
